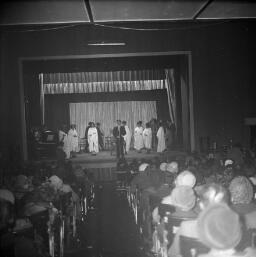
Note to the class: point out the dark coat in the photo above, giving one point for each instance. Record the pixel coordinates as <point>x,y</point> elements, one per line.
<point>118,135</point>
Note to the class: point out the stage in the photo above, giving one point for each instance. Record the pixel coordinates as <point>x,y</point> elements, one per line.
<point>105,159</point>
<point>103,166</point>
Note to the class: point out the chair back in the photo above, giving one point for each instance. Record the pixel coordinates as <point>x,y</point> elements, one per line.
<point>192,247</point>
<point>172,224</point>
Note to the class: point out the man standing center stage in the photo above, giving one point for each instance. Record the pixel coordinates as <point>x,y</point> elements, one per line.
<point>119,133</point>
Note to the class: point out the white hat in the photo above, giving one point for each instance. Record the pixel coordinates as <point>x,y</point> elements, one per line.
<point>163,166</point>
<point>7,195</point>
<point>185,178</point>
<point>253,180</point>
<point>172,167</point>
<point>143,166</point>
<point>56,182</point>
<point>228,162</point>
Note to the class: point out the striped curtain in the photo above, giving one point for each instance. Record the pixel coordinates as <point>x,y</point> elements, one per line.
<point>112,81</point>
<point>107,113</point>
<point>171,94</point>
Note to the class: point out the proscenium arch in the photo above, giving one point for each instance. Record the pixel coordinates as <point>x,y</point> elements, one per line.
<point>187,106</point>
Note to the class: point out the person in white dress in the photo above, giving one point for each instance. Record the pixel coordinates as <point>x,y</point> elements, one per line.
<point>147,137</point>
<point>127,137</point>
<point>138,137</point>
<point>160,139</point>
<point>73,140</point>
<point>93,139</point>
<point>64,142</point>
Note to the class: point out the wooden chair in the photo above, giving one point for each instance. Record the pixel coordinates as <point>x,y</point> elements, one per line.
<point>192,247</point>
<point>107,143</point>
<point>82,144</point>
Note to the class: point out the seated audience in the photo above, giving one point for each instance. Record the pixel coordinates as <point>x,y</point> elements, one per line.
<point>208,194</point>
<point>219,228</point>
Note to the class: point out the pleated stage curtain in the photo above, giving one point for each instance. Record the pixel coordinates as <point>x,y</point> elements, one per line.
<point>95,82</point>
<point>107,113</point>
<point>111,81</point>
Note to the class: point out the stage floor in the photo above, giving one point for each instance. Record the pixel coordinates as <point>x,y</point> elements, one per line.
<point>104,159</point>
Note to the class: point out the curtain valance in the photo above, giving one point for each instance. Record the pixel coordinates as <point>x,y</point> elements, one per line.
<point>107,86</point>
<point>86,77</point>
<point>113,81</point>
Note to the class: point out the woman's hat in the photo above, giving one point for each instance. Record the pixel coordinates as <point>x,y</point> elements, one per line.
<point>7,196</point>
<point>172,167</point>
<point>219,227</point>
<point>143,166</point>
<point>163,166</point>
<point>228,162</point>
<point>186,178</point>
<point>182,197</point>
<point>56,182</point>
<point>241,190</point>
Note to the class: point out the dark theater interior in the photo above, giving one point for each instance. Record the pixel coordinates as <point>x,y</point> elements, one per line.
<point>128,128</point>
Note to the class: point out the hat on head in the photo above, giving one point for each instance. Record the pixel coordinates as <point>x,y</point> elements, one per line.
<point>219,227</point>
<point>143,166</point>
<point>253,180</point>
<point>163,166</point>
<point>33,208</point>
<point>182,197</point>
<point>241,190</point>
<point>7,196</point>
<point>56,182</point>
<point>172,167</point>
<point>228,162</point>
<point>186,178</point>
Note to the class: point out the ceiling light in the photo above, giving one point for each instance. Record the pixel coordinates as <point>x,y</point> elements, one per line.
<point>103,43</point>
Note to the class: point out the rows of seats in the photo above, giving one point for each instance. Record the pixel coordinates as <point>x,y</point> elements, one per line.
<point>154,193</point>
<point>42,207</point>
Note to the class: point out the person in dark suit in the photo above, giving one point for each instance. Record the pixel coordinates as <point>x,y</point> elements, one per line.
<point>119,133</point>
<point>86,137</point>
<point>100,136</point>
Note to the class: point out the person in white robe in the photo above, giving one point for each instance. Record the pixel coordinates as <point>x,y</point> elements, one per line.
<point>127,137</point>
<point>93,139</point>
<point>138,137</point>
<point>147,137</point>
<point>73,139</point>
<point>63,140</point>
<point>160,139</point>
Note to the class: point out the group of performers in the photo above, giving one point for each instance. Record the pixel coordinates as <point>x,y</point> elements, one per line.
<point>153,136</point>
<point>69,141</point>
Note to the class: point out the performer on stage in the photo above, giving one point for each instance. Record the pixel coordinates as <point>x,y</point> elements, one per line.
<point>100,136</point>
<point>119,133</point>
<point>73,140</point>
<point>127,137</point>
<point>161,138</point>
<point>93,139</point>
<point>138,137</point>
<point>147,137</point>
<point>63,140</point>
<point>86,137</point>
<point>170,134</point>
<point>154,128</point>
